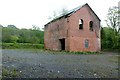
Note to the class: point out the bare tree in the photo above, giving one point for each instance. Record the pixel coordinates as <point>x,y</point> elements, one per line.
<point>113,18</point>
<point>56,14</point>
<point>63,11</point>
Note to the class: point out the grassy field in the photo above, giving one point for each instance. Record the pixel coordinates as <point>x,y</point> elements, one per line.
<point>21,46</point>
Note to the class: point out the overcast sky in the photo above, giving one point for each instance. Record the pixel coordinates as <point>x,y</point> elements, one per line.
<point>25,13</point>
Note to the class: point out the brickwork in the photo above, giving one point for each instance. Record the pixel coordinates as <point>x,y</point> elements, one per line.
<point>68,28</point>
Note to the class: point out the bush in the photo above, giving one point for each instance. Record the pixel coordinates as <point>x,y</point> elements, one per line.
<point>21,46</point>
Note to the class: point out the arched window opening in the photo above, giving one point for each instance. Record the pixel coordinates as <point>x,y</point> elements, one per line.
<point>86,43</point>
<point>80,24</point>
<point>91,25</point>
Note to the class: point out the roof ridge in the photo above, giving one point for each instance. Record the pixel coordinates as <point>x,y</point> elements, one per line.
<point>70,12</point>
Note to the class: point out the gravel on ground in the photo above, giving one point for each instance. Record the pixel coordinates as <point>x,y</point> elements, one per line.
<point>28,63</point>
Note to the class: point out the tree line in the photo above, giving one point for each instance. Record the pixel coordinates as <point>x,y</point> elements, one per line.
<point>11,34</point>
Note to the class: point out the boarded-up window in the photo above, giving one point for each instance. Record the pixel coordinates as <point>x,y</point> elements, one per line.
<point>86,43</point>
<point>80,24</point>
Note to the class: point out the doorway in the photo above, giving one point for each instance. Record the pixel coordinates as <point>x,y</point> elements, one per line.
<point>62,42</point>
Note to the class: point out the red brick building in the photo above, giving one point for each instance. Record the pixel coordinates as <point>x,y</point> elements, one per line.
<point>77,30</point>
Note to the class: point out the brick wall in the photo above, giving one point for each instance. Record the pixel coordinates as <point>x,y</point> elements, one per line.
<point>77,37</point>
<point>68,28</point>
<point>55,31</point>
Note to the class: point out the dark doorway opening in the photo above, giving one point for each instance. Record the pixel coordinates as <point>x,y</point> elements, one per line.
<point>62,42</point>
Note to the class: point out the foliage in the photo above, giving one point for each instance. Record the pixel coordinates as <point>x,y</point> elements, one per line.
<point>109,40</point>
<point>14,39</point>
<point>11,34</point>
<point>111,34</point>
<point>22,46</point>
<point>113,18</point>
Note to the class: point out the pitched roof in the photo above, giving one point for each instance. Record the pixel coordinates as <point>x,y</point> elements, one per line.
<point>71,12</point>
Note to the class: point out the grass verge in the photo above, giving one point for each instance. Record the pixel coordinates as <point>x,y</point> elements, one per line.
<point>67,52</point>
<point>21,46</point>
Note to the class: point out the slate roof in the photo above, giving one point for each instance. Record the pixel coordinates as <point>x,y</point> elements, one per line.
<point>71,12</point>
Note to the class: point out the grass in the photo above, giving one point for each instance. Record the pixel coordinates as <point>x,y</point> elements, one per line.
<point>83,52</point>
<point>10,73</point>
<point>67,52</point>
<point>111,50</point>
<point>38,46</point>
<point>21,46</point>
<point>5,72</point>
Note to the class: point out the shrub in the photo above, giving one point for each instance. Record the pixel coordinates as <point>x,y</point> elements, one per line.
<point>21,46</point>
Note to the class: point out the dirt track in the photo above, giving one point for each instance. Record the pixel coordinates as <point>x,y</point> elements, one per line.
<point>45,64</point>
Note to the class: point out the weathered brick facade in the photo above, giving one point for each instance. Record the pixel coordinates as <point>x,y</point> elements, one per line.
<point>64,33</point>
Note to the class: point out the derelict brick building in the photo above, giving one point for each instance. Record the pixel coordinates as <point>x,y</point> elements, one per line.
<point>77,30</point>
